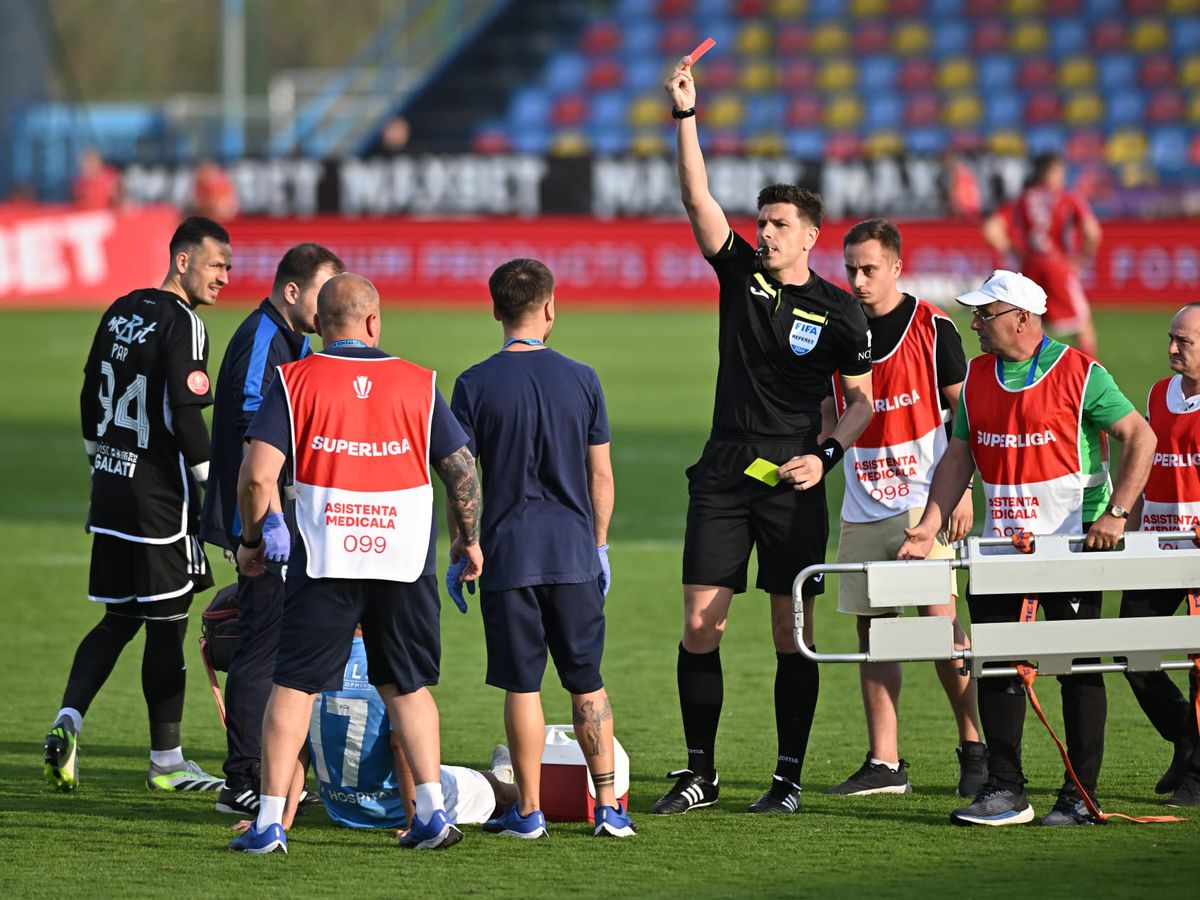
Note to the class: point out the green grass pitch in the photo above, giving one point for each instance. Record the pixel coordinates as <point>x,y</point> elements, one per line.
<point>113,837</point>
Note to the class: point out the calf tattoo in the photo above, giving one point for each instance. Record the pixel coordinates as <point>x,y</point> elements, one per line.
<point>604,780</point>
<point>457,472</point>
<point>589,723</point>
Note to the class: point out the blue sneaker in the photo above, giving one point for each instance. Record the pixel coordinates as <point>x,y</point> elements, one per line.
<point>436,834</point>
<point>614,821</point>
<point>271,840</point>
<point>512,824</point>
<point>995,806</point>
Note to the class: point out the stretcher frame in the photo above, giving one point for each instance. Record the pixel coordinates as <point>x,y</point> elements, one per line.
<point>1055,563</point>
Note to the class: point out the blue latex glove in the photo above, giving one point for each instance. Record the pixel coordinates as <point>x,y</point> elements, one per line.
<point>454,583</point>
<point>605,569</point>
<point>277,542</point>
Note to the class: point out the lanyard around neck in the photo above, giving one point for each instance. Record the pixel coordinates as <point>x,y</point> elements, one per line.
<point>1032,373</point>
<point>531,342</point>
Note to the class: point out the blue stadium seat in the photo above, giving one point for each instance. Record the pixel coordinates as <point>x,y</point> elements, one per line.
<point>806,143</point>
<point>608,106</point>
<point>1099,9</point>
<point>530,139</point>
<point>640,40</point>
<point>529,106</point>
<point>827,9</point>
<point>1046,139</point>
<point>1126,107</point>
<point>644,73</point>
<point>627,11</point>
<point>765,112</point>
<point>1185,34</point>
<point>885,110</point>
<point>1003,110</point>
<point>566,72</point>
<point>925,141</point>
<point>607,138</point>
<point>877,73</point>
<point>1068,35</point>
<point>951,36</point>
<point>940,10</point>
<point>997,72</point>
<point>1117,70</point>
<point>1169,148</point>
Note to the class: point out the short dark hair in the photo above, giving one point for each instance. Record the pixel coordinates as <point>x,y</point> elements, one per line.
<point>807,202</point>
<point>193,230</point>
<point>880,230</point>
<point>302,262</point>
<point>1043,163</point>
<point>518,286</point>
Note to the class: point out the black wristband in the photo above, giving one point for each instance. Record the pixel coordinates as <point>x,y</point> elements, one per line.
<point>682,113</point>
<point>250,545</point>
<point>831,453</point>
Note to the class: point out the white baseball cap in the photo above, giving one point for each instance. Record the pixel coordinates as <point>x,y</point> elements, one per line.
<point>1008,287</point>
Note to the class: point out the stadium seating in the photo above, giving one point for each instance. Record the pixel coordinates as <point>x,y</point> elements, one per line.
<point>1099,80</point>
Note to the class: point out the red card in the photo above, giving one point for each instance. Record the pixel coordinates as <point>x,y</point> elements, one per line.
<point>706,45</point>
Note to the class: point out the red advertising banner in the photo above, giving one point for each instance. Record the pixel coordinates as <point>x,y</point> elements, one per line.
<point>643,261</point>
<point>63,256</point>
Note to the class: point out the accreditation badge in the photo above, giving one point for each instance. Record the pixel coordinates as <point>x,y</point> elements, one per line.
<point>804,336</point>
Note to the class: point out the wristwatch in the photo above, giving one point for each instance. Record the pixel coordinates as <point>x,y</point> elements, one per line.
<point>1117,512</point>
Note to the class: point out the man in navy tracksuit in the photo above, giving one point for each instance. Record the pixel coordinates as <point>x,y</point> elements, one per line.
<point>274,334</point>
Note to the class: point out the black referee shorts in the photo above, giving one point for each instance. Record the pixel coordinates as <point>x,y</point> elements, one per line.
<point>401,626</point>
<point>729,514</point>
<point>151,581</point>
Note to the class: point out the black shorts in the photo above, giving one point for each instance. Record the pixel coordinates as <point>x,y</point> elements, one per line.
<point>727,517</point>
<point>519,625</point>
<point>165,575</point>
<point>401,625</point>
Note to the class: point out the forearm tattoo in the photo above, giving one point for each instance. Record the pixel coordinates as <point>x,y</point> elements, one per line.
<point>463,495</point>
<point>589,723</point>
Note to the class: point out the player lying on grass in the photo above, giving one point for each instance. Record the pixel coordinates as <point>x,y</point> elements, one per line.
<point>364,778</point>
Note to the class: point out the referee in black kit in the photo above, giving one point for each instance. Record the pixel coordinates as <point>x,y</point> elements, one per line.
<point>784,331</point>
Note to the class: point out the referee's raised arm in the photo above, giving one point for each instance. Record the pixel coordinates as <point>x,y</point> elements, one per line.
<point>709,224</point>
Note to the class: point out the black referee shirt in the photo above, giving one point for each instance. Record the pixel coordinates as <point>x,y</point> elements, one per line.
<point>779,345</point>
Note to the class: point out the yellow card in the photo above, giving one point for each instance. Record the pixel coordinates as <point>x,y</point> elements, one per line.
<point>764,470</point>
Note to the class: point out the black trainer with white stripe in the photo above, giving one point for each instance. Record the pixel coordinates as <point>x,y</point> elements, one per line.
<point>238,801</point>
<point>691,791</point>
<point>781,797</point>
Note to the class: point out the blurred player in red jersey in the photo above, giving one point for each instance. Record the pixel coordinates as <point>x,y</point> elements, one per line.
<point>1055,231</point>
<point>98,185</point>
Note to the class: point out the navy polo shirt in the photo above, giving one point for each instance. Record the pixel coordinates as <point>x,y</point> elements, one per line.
<point>263,342</point>
<point>273,425</point>
<point>530,416</point>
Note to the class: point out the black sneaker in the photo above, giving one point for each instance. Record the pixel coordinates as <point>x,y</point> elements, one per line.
<point>308,800</point>
<point>1069,809</point>
<point>995,806</point>
<point>238,801</point>
<point>1187,794</point>
<point>691,791</point>
<point>874,778</point>
<point>781,797</point>
<point>972,768</point>
<point>1173,777</point>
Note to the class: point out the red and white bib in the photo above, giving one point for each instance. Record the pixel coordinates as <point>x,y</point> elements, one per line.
<point>889,468</point>
<point>1026,446</point>
<point>360,431</point>
<point>1172,497</point>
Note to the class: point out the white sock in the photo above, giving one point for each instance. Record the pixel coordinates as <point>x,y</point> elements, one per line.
<point>74,715</point>
<point>270,812</point>
<point>895,767</point>
<point>429,798</point>
<point>166,759</point>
